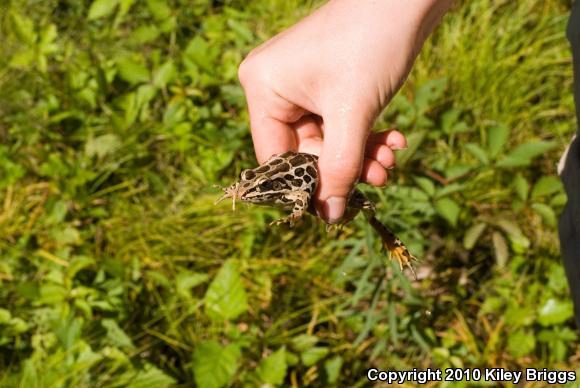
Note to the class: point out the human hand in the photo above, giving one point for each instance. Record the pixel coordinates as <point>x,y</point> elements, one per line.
<point>318,87</point>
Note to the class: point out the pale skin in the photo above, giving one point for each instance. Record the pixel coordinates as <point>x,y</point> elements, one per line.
<point>318,87</point>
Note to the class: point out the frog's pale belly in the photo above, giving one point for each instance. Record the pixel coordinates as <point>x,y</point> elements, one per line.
<point>289,181</point>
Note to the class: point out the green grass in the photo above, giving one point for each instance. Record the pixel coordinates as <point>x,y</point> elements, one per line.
<point>118,116</point>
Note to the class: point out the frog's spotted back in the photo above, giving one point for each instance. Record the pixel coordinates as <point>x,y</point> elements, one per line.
<point>290,180</point>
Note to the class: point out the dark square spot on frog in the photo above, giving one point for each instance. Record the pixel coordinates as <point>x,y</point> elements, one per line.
<point>276,161</point>
<point>281,168</point>
<point>262,169</point>
<point>297,182</point>
<point>299,171</point>
<point>299,202</point>
<point>248,175</point>
<point>298,160</point>
<point>307,178</point>
<point>311,171</point>
<point>289,177</point>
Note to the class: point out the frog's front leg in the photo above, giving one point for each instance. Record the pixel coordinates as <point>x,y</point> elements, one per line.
<point>300,198</point>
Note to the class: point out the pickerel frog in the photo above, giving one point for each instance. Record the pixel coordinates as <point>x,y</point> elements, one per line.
<point>289,181</point>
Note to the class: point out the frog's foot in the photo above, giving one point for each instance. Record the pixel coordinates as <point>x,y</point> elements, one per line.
<point>402,255</point>
<point>290,220</point>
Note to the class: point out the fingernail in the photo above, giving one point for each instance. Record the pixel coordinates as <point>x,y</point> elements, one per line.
<point>395,148</point>
<point>333,209</point>
<point>391,167</point>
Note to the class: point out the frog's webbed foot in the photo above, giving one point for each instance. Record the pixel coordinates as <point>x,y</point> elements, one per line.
<point>403,256</point>
<point>394,246</point>
<point>290,220</point>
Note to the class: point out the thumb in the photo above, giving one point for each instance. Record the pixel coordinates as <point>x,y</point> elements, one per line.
<point>340,162</point>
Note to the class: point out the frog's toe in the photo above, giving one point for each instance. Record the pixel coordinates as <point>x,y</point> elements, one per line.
<point>402,255</point>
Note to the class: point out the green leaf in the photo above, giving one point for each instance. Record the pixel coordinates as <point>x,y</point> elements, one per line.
<point>524,153</point>
<point>164,75</point>
<point>159,9</point>
<point>312,355</point>
<point>521,186</point>
<point>555,311</point>
<point>186,280</point>
<point>497,137</point>
<point>23,28</point>
<point>547,185</point>
<point>132,71</point>
<point>448,209</point>
<point>102,8</point>
<point>547,213</point>
<point>426,185</point>
<point>226,297</point>
<point>332,368</point>
<point>149,377</point>
<point>272,369</point>
<point>116,335</point>
<point>103,145</point>
<point>214,365</point>
<point>477,152</point>
<point>472,235</point>
<point>500,248</point>
<point>521,343</point>
<point>514,232</point>
<point>304,341</point>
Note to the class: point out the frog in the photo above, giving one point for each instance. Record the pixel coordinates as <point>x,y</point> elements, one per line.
<point>289,181</point>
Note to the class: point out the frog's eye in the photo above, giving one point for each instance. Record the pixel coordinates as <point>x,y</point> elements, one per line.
<point>266,185</point>
<point>248,175</point>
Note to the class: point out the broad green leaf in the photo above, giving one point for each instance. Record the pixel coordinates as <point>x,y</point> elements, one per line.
<point>312,355</point>
<point>521,343</point>
<point>448,209</point>
<point>472,235</point>
<point>555,311</point>
<point>500,248</point>
<point>132,71</point>
<point>5,316</point>
<point>272,369</point>
<point>102,8</point>
<point>147,376</point>
<point>226,297</point>
<point>304,341</point>
<point>521,186</point>
<point>497,137</point>
<point>513,231</point>
<point>77,264</point>
<point>426,185</point>
<point>524,153</point>
<point>214,364</point>
<point>23,27</point>
<point>103,145</point>
<point>332,368</point>
<point>159,9</point>
<point>547,213</point>
<point>546,185</point>
<point>186,280</point>
<point>116,335</point>
<point>164,74</point>
<point>477,152</point>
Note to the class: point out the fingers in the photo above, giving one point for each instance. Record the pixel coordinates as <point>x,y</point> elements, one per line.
<point>392,138</point>
<point>340,162</point>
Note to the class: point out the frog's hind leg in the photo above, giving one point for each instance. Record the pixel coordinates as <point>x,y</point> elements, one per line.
<point>393,245</point>
<point>300,200</point>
